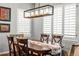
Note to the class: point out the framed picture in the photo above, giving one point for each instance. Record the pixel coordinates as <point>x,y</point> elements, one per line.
<point>4,27</point>
<point>5,14</point>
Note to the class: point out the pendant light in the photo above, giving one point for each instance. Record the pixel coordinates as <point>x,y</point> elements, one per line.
<point>40,11</point>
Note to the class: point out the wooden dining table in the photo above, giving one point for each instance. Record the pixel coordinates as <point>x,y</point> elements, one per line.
<point>37,48</point>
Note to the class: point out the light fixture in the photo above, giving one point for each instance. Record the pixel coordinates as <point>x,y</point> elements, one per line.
<point>39,11</point>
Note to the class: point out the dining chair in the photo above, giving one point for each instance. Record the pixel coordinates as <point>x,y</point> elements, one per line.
<point>44,38</point>
<point>57,39</point>
<point>11,45</point>
<point>74,50</point>
<point>22,47</point>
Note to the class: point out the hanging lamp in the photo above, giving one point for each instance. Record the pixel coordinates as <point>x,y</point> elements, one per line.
<point>40,11</point>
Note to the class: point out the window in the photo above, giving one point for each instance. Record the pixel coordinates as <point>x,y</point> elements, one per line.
<point>23,24</point>
<point>57,20</point>
<point>70,20</point>
<point>63,21</point>
<point>47,24</point>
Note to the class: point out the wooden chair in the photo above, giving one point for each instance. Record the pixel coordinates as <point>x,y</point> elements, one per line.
<point>11,45</point>
<point>44,37</point>
<point>22,46</point>
<point>74,50</point>
<point>57,39</point>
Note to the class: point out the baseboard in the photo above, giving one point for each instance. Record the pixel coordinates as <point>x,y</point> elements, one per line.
<point>5,53</point>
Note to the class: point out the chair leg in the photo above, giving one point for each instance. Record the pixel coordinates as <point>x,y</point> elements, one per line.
<point>10,53</point>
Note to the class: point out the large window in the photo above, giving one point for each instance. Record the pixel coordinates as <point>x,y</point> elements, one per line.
<point>23,24</point>
<point>70,20</point>
<point>63,21</point>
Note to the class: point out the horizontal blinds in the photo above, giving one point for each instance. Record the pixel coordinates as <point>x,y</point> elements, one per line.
<point>64,21</point>
<point>23,24</point>
<point>57,20</point>
<point>70,20</point>
<point>47,24</point>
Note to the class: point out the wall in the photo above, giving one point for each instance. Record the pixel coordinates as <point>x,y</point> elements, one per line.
<point>13,6</point>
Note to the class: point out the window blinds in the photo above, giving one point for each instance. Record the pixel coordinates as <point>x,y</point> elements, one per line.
<point>23,24</point>
<point>57,20</point>
<point>64,21</point>
<point>47,24</point>
<point>70,20</point>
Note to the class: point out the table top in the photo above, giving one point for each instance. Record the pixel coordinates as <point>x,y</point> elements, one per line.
<point>39,46</point>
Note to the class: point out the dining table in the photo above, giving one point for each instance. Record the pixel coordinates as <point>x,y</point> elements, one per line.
<point>38,48</point>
